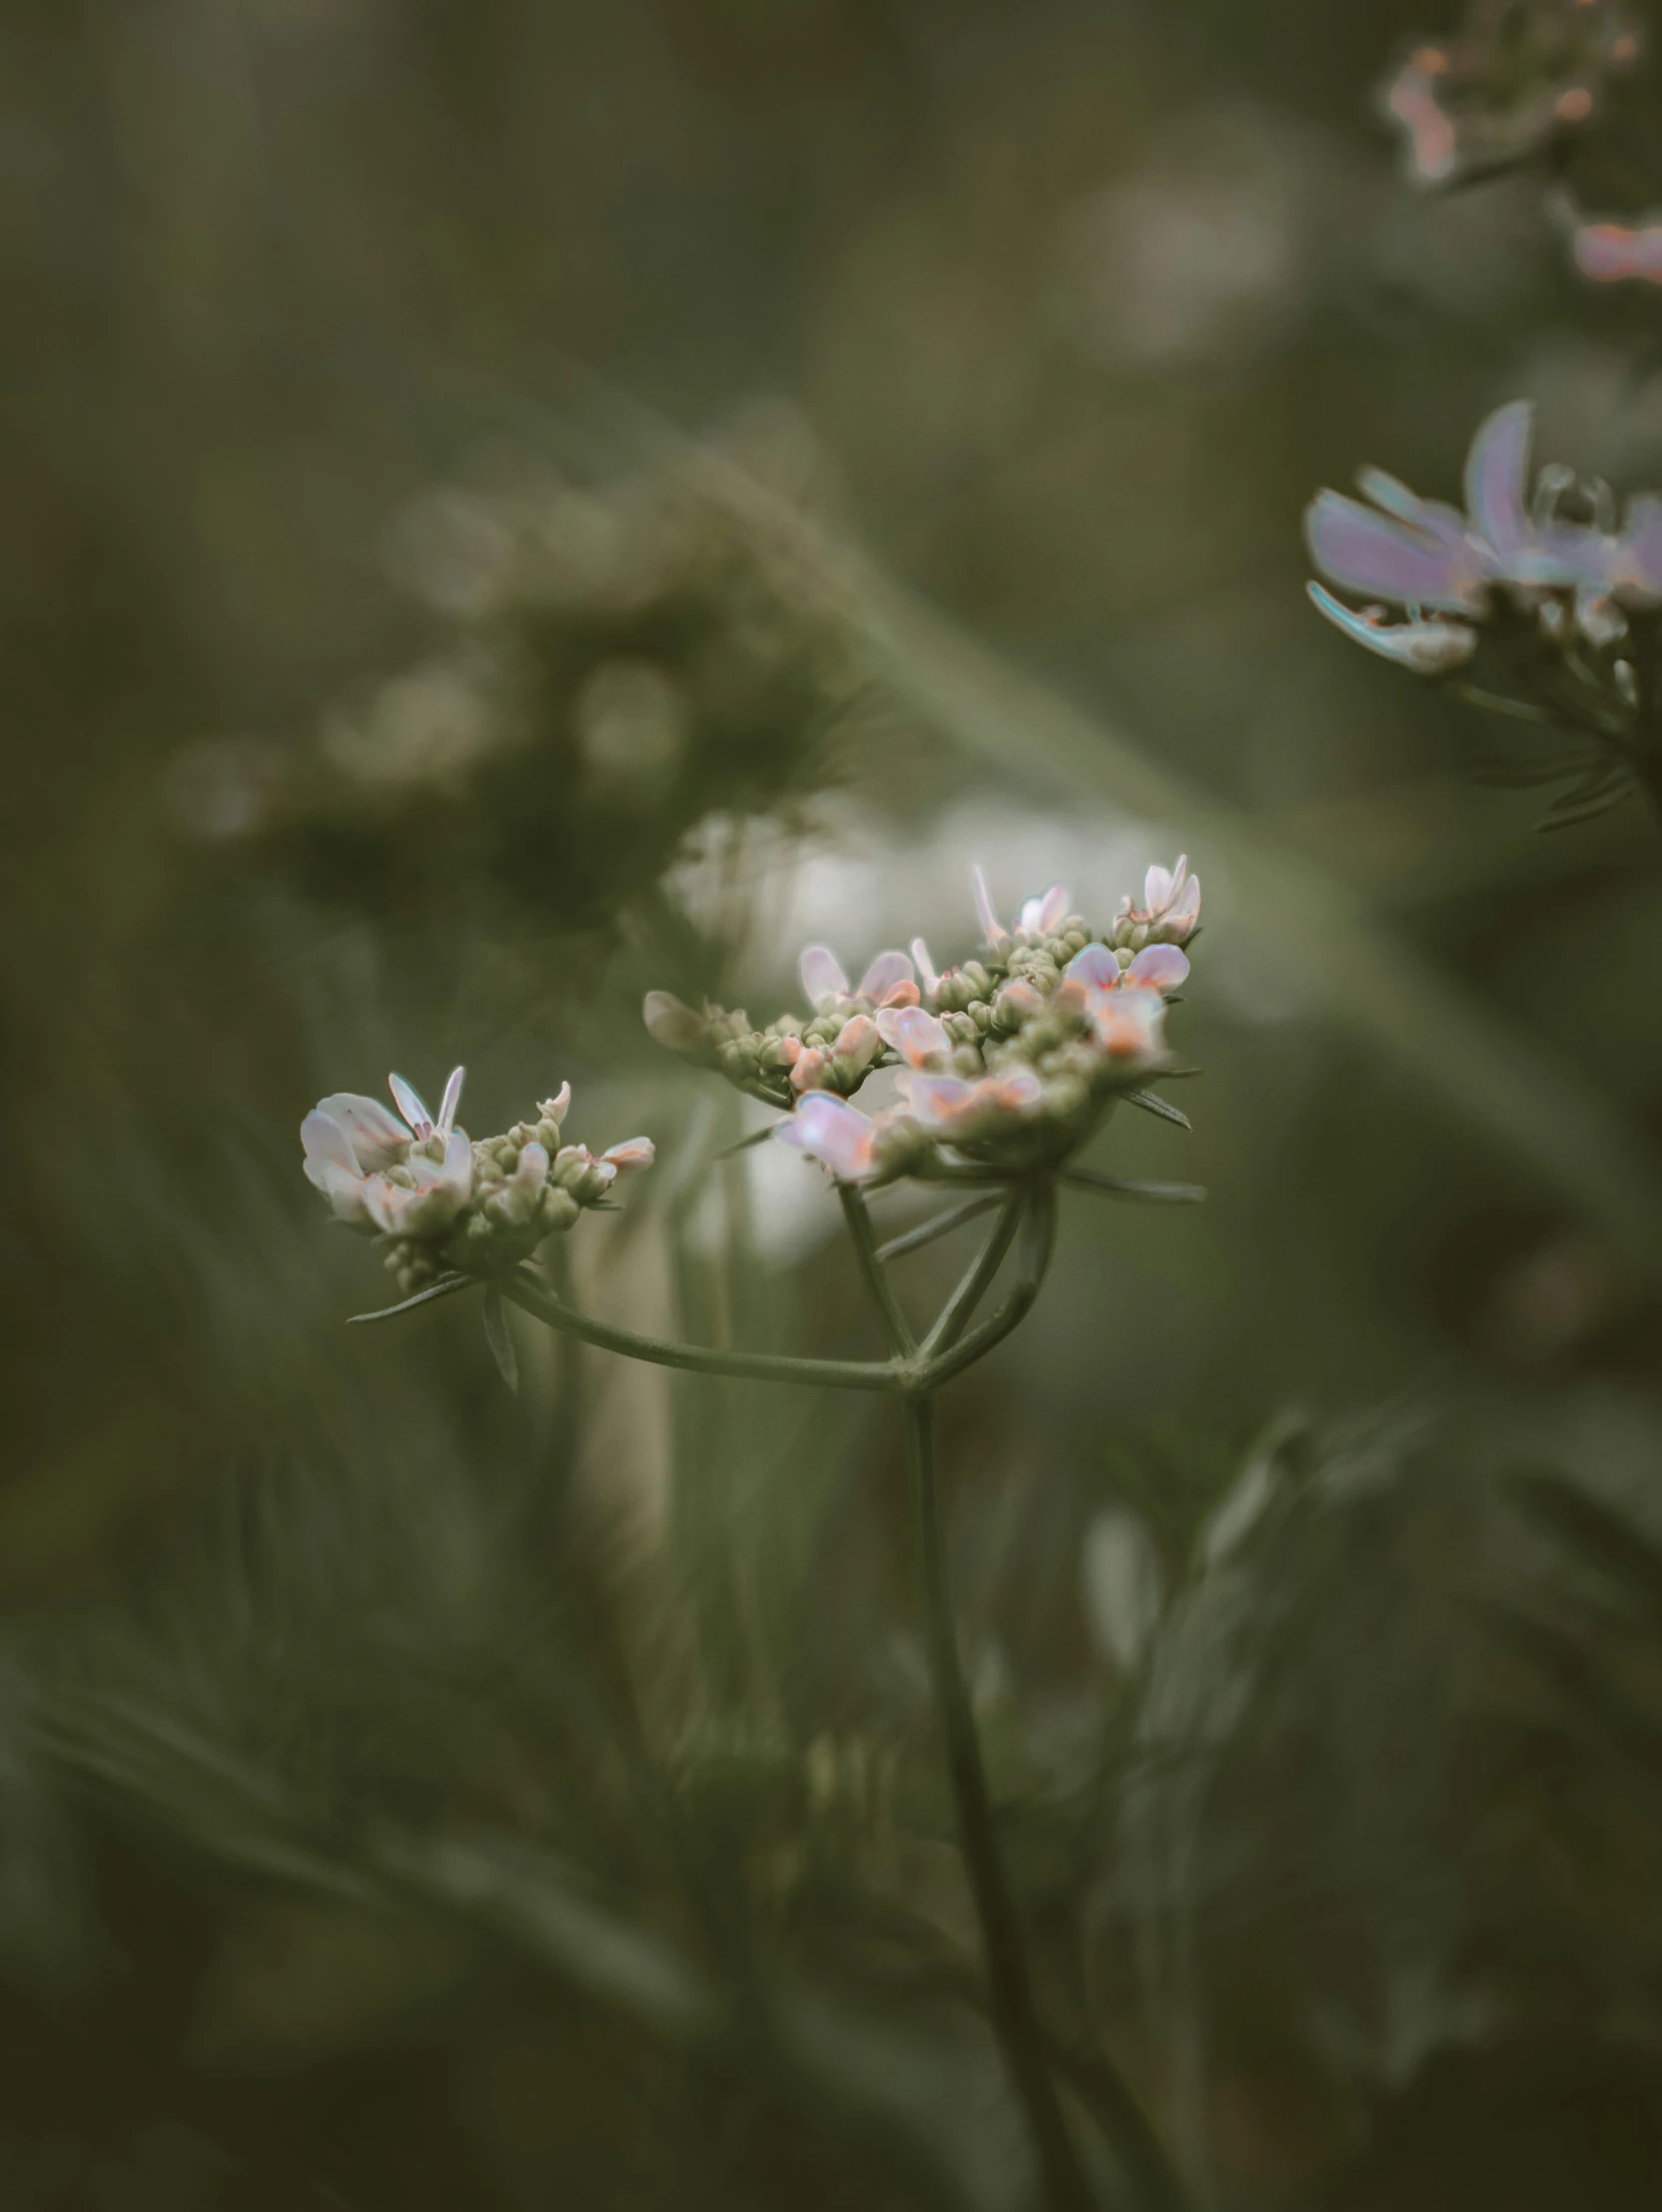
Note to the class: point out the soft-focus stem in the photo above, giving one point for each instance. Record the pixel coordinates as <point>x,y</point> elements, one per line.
<point>1010,1988</point>
<point>896,1328</point>
<point>533,1296</point>
<point>959,1310</point>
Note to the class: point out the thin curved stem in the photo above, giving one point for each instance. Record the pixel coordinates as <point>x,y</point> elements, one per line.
<point>896,1328</point>
<point>535,1298</point>
<point>1010,1990</point>
<point>913,1240</point>
<point>959,1310</point>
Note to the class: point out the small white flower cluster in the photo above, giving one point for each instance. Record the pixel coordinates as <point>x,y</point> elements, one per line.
<point>442,1202</point>
<point>1008,1062</point>
<point>1514,77</point>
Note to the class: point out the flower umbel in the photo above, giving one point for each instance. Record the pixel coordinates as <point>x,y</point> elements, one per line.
<point>1547,578</point>
<point>1007,1064</point>
<point>442,1202</point>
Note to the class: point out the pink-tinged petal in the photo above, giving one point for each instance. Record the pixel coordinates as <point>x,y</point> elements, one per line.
<point>1158,886</point>
<point>835,1133</point>
<point>886,974</point>
<point>673,1024</point>
<point>1129,1023</point>
<point>789,1049</point>
<point>1610,253</point>
<point>993,931</point>
<point>450,1100</point>
<point>938,1102</point>
<point>808,1069</point>
<point>556,1109</point>
<point>1496,481</point>
<point>1014,1093</point>
<point>412,1106</point>
<point>1370,552</point>
<point>1186,907</point>
<point>926,967</point>
<point>822,975</point>
<point>917,1037</point>
<point>326,1145</point>
<point>1156,967</point>
<point>904,994</point>
<point>1054,906</point>
<point>1096,966</point>
<point>1433,148</point>
<point>1427,648</point>
<point>377,1137</point>
<point>634,1153</point>
<point>1636,570</point>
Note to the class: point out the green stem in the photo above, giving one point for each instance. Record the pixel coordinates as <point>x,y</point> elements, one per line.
<point>896,1328</point>
<point>960,1307</point>
<point>913,1240</point>
<point>1010,1991</point>
<point>1038,1237</point>
<point>533,1296</point>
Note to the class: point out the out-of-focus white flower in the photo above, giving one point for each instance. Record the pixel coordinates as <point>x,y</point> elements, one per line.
<point>634,1153</point>
<point>1518,73</point>
<point>1619,253</point>
<point>1574,568</point>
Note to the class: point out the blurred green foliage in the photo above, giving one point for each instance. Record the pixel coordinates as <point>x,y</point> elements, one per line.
<point>415,1797</point>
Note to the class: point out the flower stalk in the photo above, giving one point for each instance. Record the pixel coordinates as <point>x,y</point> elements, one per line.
<point>1003,1070</point>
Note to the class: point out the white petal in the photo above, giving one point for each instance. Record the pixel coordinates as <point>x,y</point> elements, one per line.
<point>1096,967</point>
<point>1187,904</point>
<point>835,1133</point>
<point>377,1137</point>
<point>885,972</point>
<point>1157,968</point>
<point>1157,889</point>
<point>1028,916</point>
<point>326,1145</point>
<point>410,1105</point>
<point>916,1036</point>
<point>993,931</point>
<point>634,1153</point>
<point>1053,908</point>
<point>343,1191</point>
<point>822,975</point>
<point>450,1100</point>
<point>926,967</point>
<point>459,1163</point>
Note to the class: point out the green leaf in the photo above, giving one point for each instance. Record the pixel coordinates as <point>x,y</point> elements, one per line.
<point>445,1287</point>
<point>1151,1102</point>
<point>1134,1186</point>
